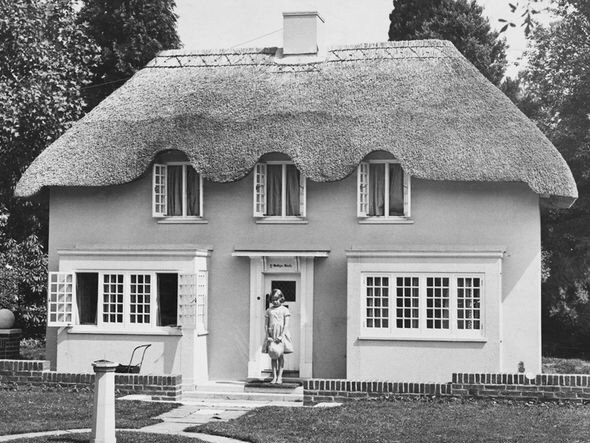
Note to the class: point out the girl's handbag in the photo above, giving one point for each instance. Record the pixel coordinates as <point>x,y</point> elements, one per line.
<point>276,350</point>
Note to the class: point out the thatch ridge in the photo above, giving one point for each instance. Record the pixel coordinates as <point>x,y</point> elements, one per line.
<point>422,101</point>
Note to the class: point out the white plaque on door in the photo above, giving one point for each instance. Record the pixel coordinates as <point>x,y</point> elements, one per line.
<point>281,264</point>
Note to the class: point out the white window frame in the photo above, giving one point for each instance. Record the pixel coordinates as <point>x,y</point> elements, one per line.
<point>260,192</point>
<point>363,181</point>
<point>160,208</point>
<point>199,301</point>
<point>422,332</point>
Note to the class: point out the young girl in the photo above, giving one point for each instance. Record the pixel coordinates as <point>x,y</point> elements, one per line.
<point>276,325</point>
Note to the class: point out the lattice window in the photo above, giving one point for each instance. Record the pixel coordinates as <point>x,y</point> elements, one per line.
<point>60,299</point>
<point>437,302</point>
<point>377,302</point>
<point>187,300</point>
<point>407,302</point>
<point>260,190</point>
<point>468,303</point>
<point>140,298</point>
<point>363,189</point>
<point>160,194</point>
<point>202,291</point>
<point>112,298</point>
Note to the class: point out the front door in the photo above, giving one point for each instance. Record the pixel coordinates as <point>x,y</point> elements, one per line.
<point>289,286</point>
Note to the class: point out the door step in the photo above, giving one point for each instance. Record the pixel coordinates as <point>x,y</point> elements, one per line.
<point>238,392</point>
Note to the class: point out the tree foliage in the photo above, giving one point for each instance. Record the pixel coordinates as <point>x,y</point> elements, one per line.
<point>129,34</point>
<point>44,60</point>
<point>460,21</point>
<point>557,87</point>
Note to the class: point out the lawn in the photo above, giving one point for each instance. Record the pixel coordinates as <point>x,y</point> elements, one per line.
<point>412,420</point>
<point>122,437</point>
<point>36,410</point>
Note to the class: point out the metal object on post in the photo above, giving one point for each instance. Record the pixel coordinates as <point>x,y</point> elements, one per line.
<point>103,422</point>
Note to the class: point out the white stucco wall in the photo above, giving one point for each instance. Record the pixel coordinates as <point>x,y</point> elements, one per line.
<point>444,213</point>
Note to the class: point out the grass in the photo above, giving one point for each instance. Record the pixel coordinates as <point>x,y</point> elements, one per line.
<point>36,410</point>
<point>122,437</point>
<point>553,365</point>
<point>411,420</point>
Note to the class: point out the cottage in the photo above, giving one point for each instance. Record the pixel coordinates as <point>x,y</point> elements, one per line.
<point>388,189</point>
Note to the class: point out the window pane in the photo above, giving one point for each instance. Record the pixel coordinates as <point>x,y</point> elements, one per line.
<point>112,302</point>
<point>407,296</point>
<point>468,302</point>
<point>437,302</point>
<point>87,297</point>
<point>174,190</point>
<point>377,298</point>
<point>396,190</point>
<point>292,191</point>
<point>192,192</point>
<point>141,293</point>
<point>377,189</point>
<point>274,182</point>
<point>167,299</point>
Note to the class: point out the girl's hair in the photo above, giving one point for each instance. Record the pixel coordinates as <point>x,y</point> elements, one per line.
<point>277,293</point>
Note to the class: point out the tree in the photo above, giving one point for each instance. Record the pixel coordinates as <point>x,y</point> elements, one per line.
<point>44,62</point>
<point>129,33</point>
<point>460,21</point>
<point>557,81</point>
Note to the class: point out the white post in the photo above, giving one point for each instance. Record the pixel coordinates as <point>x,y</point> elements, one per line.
<point>103,423</point>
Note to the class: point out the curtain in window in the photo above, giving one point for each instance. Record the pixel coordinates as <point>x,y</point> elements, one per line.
<point>292,197</point>
<point>376,189</point>
<point>274,182</point>
<point>192,192</point>
<point>174,190</point>
<point>396,190</point>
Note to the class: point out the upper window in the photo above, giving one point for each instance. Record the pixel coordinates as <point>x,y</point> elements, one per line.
<point>279,190</point>
<point>383,190</point>
<point>422,306</point>
<point>177,191</point>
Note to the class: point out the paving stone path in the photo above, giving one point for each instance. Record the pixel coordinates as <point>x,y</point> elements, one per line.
<point>174,422</point>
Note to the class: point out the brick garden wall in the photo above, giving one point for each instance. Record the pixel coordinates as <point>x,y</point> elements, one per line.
<point>37,373</point>
<point>513,386</point>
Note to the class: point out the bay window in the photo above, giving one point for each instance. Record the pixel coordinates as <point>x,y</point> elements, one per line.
<point>422,305</point>
<point>279,190</point>
<point>127,300</point>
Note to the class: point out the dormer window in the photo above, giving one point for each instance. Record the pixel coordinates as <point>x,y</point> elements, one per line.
<point>279,191</point>
<point>177,191</point>
<point>383,191</point>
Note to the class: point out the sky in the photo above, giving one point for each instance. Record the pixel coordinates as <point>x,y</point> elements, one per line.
<point>212,24</point>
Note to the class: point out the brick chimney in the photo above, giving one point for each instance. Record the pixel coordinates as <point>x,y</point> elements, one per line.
<point>302,33</point>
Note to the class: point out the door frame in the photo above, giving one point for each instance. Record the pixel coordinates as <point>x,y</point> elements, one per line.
<point>259,270</point>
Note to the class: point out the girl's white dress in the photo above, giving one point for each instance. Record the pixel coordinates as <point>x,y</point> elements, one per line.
<point>276,327</point>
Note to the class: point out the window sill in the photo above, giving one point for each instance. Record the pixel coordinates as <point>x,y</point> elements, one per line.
<point>158,330</point>
<point>182,221</point>
<point>281,221</point>
<point>385,220</point>
<point>432,339</point>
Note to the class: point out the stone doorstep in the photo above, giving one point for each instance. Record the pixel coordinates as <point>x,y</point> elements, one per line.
<point>293,395</point>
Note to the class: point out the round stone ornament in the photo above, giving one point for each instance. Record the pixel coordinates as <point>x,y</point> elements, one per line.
<point>6,319</point>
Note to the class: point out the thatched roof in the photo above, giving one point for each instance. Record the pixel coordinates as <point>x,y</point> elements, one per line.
<point>420,100</point>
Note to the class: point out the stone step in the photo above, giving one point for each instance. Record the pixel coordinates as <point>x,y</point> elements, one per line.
<point>219,386</point>
<point>292,396</point>
<point>283,388</point>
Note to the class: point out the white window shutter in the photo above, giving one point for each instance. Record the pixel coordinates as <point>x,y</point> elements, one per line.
<point>363,189</point>
<point>407,195</point>
<point>302,195</point>
<point>260,190</point>
<point>159,191</point>
<point>187,300</point>
<point>61,299</point>
<point>202,300</point>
